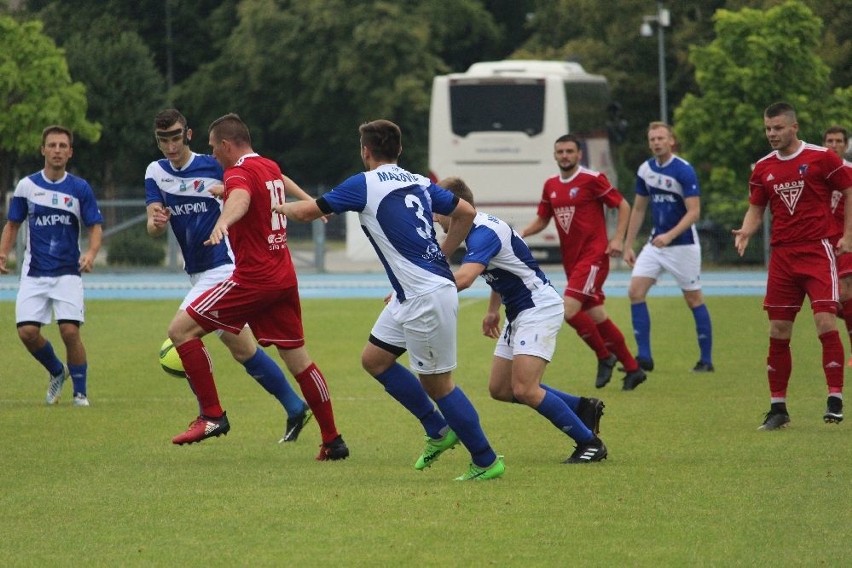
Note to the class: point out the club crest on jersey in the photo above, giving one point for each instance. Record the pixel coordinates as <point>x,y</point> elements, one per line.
<point>564,216</point>
<point>572,193</point>
<point>790,192</point>
<point>69,202</point>
<point>803,169</point>
<point>198,185</point>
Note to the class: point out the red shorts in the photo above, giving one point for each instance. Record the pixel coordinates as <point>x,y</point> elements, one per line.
<point>797,270</point>
<point>274,316</point>
<point>844,265</point>
<point>586,280</point>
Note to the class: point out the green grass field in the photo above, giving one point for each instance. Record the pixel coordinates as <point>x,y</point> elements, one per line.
<point>690,481</point>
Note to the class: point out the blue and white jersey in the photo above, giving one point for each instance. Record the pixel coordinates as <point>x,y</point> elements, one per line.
<point>193,210</point>
<point>395,210</point>
<point>510,268</point>
<point>667,186</point>
<point>56,211</point>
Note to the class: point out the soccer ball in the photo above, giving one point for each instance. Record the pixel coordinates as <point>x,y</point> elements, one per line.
<point>170,360</point>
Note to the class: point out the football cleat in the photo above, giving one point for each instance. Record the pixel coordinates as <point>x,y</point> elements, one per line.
<point>834,410</point>
<point>605,368</point>
<point>592,451</point>
<point>589,411</point>
<point>202,428</point>
<point>295,425</point>
<point>775,420</point>
<point>334,450</point>
<point>434,448</point>
<point>54,386</point>
<point>634,379</point>
<point>476,473</point>
<point>80,400</point>
<point>703,367</point>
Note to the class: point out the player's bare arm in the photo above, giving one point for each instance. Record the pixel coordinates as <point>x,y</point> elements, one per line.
<point>637,216</point>
<point>467,274</point>
<point>158,219</point>
<point>293,189</point>
<point>235,207</point>
<point>751,223</point>
<point>87,259</point>
<point>693,213</point>
<point>844,245</point>
<point>491,321</point>
<point>305,211</point>
<point>615,247</point>
<point>537,225</point>
<point>7,241</point>
<point>461,220</point>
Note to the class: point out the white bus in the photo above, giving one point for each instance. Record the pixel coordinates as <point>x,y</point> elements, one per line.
<point>494,126</point>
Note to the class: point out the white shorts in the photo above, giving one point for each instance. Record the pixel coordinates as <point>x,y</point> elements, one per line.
<point>683,262</point>
<point>533,332</point>
<point>427,326</point>
<point>37,296</point>
<point>203,281</point>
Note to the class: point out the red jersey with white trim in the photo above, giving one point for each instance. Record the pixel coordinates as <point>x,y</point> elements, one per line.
<point>798,189</point>
<point>838,201</point>
<point>577,205</point>
<point>259,238</point>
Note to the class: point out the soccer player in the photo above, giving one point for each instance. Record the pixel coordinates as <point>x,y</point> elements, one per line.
<point>262,291</point>
<point>177,193</point>
<point>670,184</point>
<point>527,341</point>
<point>395,209</point>
<point>56,205</point>
<point>836,138</point>
<point>576,199</point>
<point>796,181</point>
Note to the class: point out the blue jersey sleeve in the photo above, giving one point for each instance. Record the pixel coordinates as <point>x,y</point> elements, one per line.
<point>351,195</point>
<point>483,244</point>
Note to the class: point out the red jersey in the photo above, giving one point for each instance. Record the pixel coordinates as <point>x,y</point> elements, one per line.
<point>259,238</point>
<point>798,190</point>
<point>838,202</point>
<point>577,204</point>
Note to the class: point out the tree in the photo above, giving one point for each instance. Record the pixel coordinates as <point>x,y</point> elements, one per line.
<point>125,91</point>
<point>758,57</point>
<point>35,90</point>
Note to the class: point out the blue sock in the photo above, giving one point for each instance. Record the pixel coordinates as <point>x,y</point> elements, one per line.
<point>560,414</point>
<point>704,330</point>
<point>572,401</point>
<point>404,387</point>
<point>642,329</point>
<point>48,359</point>
<point>463,419</point>
<point>78,377</point>
<point>270,376</point>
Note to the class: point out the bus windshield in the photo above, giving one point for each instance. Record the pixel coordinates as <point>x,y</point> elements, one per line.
<point>497,106</point>
<point>587,107</point>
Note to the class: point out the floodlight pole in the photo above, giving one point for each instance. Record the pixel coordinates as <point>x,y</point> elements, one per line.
<point>662,19</point>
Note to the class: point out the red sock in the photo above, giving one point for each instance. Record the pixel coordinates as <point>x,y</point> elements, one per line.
<point>588,332</point>
<point>832,360</point>
<point>315,390</point>
<point>199,373</point>
<point>779,366</point>
<point>614,342</point>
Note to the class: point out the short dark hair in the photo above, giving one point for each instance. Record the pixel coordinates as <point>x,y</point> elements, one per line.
<point>457,187</point>
<point>231,127</point>
<point>836,129</point>
<point>57,129</point>
<point>166,118</point>
<point>779,108</point>
<point>383,138</point>
<point>569,138</point>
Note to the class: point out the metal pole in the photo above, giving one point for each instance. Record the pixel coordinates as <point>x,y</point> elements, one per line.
<point>661,52</point>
